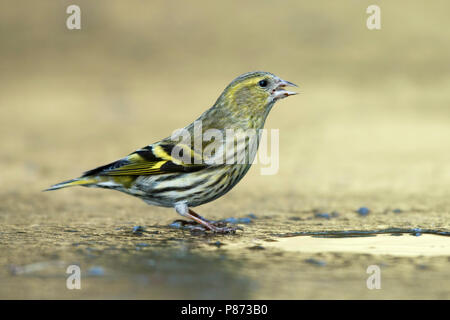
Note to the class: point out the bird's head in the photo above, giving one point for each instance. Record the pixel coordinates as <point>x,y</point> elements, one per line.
<point>258,88</point>
<point>252,95</point>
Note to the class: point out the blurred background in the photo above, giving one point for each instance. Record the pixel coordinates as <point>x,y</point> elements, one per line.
<point>370,127</point>
<point>374,108</point>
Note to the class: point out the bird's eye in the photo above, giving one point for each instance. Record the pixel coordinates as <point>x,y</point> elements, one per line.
<point>263,83</point>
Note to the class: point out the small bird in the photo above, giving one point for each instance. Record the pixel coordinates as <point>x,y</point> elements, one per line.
<point>181,174</point>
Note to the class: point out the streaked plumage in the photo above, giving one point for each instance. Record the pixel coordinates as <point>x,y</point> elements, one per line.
<point>155,175</point>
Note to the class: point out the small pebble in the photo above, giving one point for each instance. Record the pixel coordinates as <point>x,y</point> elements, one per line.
<point>138,229</point>
<point>245,220</point>
<point>256,248</point>
<point>323,215</point>
<point>176,224</point>
<point>96,271</point>
<point>397,211</point>
<point>218,244</point>
<point>239,220</point>
<point>363,211</point>
<point>316,262</point>
<point>231,220</point>
<point>142,244</point>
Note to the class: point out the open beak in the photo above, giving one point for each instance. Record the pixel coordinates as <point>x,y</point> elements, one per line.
<point>279,92</point>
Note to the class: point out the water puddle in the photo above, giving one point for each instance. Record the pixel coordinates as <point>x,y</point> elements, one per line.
<point>366,233</point>
<point>381,243</point>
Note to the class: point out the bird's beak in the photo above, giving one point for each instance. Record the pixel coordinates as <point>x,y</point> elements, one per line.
<point>279,92</point>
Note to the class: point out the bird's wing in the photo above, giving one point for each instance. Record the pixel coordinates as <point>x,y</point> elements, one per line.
<point>151,160</point>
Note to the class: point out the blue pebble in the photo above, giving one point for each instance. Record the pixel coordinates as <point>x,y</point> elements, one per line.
<point>96,271</point>
<point>316,262</point>
<point>323,215</point>
<point>137,229</point>
<point>176,224</point>
<point>237,221</point>
<point>245,220</point>
<point>231,220</point>
<point>363,211</point>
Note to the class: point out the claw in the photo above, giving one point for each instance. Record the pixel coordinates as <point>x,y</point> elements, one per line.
<point>225,230</point>
<point>213,226</point>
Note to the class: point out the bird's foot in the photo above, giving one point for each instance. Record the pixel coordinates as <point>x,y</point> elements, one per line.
<point>213,226</point>
<point>222,227</point>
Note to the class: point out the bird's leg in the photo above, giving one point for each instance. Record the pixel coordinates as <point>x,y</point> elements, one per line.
<point>184,210</point>
<point>210,225</point>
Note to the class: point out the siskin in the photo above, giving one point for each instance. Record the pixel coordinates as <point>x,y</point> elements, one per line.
<point>180,174</point>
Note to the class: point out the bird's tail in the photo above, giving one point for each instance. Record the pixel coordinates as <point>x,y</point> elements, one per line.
<point>74,182</point>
